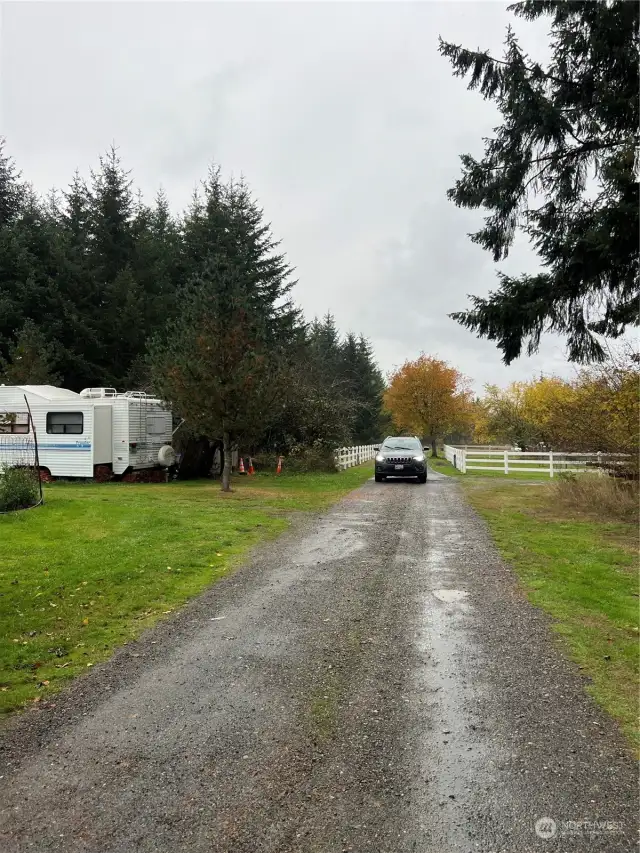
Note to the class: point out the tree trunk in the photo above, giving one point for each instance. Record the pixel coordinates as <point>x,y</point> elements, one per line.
<point>434,449</point>
<point>226,468</point>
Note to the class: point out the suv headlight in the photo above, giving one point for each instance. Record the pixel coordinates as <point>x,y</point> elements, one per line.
<point>379,458</point>
<point>419,457</point>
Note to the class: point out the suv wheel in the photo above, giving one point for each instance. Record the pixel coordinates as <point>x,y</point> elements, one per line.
<point>422,478</point>
<point>379,478</point>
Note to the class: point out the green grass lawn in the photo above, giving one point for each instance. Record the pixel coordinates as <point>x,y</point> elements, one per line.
<point>97,564</point>
<point>441,464</point>
<point>583,571</point>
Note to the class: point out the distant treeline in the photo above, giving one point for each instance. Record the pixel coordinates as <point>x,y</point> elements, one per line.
<point>99,288</point>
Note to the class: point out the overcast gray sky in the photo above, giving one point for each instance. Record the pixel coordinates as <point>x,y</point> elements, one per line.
<point>343,117</point>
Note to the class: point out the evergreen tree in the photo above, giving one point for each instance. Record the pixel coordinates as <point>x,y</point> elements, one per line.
<point>111,216</point>
<point>349,372</point>
<point>569,135</point>
<point>11,249</point>
<point>89,276</point>
<point>31,359</point>
<point>83,359</point>
<point>371,425</point>
<point>224,359</point>
<point>29,286</point>
<point>11,188</point>
<point>158,274</point>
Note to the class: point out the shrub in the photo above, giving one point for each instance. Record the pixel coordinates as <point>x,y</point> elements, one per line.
<point>301,460</point>
<point>18,489</point>
<point>606,497</point>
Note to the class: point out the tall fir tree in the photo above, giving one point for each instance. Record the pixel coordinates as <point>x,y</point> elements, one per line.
<point>560,168</point>
<point>11,187</point>
<point>89,275</point>
<point>223,359</point>
<point>31,359</point>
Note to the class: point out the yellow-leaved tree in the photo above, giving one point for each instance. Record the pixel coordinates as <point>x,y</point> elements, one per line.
<point>547,403</point>
<point>429,398</point>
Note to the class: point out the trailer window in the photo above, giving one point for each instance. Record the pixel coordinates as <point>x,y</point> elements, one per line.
<point>65,423</point>
<point>156,425</point>
<point>14,423</point>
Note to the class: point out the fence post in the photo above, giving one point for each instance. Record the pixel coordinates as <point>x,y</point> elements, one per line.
<point>551,463</point>
<point>464,460</point>
<point>506,462</point>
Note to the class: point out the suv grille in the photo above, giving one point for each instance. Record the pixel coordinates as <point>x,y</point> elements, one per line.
<point>398,459</point>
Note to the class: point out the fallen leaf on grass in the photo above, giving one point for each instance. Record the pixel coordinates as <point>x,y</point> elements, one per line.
<point>85,621</point>
<point>62,665</point>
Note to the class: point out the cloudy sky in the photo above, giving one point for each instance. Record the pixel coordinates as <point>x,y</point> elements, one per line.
<point>343,117</point>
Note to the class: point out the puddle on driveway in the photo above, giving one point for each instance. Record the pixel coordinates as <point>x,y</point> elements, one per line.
<point>328,544</point>
<point>450,595</point>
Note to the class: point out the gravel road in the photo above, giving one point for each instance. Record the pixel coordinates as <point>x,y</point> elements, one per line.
<point>374,680</point>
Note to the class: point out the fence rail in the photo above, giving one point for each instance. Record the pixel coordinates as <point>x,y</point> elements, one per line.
<point>347,457</point>
<point>510,461</point>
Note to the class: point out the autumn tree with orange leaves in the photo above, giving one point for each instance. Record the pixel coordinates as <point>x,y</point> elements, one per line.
<point>429,398</point>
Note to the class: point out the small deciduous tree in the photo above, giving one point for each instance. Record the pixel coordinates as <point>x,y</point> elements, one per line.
<point>506,420</point>
<point>428,397</point>
<point>216,364</point>
<point>597,410</point>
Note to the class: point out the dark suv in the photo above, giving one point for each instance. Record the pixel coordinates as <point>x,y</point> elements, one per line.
<point>401,456</point>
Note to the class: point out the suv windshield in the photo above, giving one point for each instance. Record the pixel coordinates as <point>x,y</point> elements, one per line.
<point>402,444</point>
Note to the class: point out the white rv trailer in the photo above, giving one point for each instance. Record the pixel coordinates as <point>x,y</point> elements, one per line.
<point>96,432</point>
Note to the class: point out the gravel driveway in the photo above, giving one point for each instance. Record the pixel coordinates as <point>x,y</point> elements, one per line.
<point>374,680</point>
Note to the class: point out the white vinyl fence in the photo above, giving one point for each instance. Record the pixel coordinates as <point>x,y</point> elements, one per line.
<point>510,461</point>
<point>347,457</point>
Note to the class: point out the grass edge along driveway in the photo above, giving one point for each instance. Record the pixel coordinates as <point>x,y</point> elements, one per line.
<point>97,564</point>
<point>582,570</point>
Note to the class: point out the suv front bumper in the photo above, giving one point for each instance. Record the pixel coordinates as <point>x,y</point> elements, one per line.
<point>408,469</point>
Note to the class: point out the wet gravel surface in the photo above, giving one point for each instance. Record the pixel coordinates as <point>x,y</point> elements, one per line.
<point>374,680</point>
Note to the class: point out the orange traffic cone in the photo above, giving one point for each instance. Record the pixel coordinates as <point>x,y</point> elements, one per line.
<point>241,466</point>
<point>279,468</point>
<point>252,470</point>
